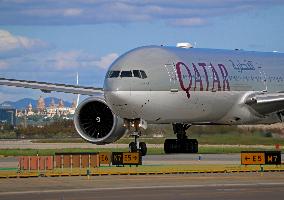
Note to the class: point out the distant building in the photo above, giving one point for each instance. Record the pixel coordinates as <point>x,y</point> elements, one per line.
<point>50,111</point>
<point>7,114</point>
<point>40,105</point>
<point>29,110</point>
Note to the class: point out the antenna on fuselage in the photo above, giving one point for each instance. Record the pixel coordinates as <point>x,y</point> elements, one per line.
<point>185,45</point>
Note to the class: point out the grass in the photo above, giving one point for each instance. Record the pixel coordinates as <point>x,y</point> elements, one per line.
<point>214,139</point>
<point>151,151</point>
<point>219,139</point>
<point>236,139</point>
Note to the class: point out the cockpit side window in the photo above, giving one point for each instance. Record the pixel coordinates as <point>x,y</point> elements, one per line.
<point>143,74</point>
<point>136,73</point>
<point>126,74</point>
<point>113,74</point>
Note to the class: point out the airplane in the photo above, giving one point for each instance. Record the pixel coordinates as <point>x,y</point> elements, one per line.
<point>178,85</point>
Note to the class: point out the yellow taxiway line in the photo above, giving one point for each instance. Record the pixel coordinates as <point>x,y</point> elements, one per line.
<point>143,170</point>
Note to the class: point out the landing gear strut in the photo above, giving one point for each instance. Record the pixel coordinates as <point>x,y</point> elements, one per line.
<point>137,146</point>
<point>182,144</point>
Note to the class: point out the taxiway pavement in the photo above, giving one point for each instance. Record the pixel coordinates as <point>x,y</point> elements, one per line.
<point>234,186</point>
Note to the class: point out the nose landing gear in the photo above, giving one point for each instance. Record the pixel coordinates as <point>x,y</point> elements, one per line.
<point>136,146</point>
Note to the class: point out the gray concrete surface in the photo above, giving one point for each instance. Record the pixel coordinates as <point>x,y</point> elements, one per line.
<point>173,159</point>
<point>194,186</point>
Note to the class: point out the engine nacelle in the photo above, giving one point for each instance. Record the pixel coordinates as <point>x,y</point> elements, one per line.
<point>96,123</point>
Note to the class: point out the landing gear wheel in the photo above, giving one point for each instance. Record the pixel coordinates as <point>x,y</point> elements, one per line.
<point>132,147</point>
<point>136,146</point>
<point>143,148</point>
<point>182,144</point>
<point>195,146</point>
<point>168,146</point>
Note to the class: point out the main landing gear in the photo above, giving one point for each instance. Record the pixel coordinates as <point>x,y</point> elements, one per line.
<point>136,146</point>
<point>182,144</point>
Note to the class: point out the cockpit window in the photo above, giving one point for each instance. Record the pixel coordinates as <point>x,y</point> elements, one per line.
<point>136,73</point>
<point>143,74</point>
<point>113,74</point>
<point>126,74</point>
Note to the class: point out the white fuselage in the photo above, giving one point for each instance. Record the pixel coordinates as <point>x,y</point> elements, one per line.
<point>196,86</point>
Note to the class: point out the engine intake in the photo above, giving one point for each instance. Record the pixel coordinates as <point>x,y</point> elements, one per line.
<point>96,123</point>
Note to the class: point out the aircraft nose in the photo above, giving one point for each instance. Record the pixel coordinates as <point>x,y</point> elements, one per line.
<point>117,98</point>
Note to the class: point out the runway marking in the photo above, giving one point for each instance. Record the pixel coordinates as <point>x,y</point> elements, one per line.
<point>143,187</point>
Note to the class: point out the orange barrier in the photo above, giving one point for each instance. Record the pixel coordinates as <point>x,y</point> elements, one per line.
<point>36,162</point>
<point>76,160</point>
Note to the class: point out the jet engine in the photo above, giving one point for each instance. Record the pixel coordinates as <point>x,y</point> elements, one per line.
<point>96,123</point>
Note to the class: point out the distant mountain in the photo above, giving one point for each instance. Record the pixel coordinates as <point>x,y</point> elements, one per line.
<point>23,103</point>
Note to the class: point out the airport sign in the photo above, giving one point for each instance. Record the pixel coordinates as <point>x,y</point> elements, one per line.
<point>132,158</point>
<point>105,158</point>
<point>116,158</point>
<point>126,158</point>
<point>253,158</point>
<point>273,157</point>
<point>261,158</point>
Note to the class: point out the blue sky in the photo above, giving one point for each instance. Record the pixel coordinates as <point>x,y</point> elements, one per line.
<point>51,40</point>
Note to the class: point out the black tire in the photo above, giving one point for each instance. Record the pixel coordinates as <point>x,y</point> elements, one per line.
<point>132,147</point>
<point>143,148</point>
<point>167,148</point>
<point>171,146</point>
<point>195,147</point>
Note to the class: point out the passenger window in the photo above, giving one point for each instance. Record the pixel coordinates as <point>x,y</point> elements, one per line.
<point>136,73</point>
<point>113,74</point>
<point>143,74</point>
<point>126,74</point>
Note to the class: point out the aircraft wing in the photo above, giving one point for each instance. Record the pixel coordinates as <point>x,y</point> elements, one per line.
<point>267,103</point>
<point>49,87</point>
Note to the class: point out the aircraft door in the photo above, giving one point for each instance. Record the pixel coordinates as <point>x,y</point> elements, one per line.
<point>171,70</point>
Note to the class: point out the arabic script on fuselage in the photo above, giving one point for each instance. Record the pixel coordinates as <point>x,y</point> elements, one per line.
<point>246,65</point>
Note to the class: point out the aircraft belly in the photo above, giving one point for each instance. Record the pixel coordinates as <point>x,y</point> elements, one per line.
<point>168,107</point>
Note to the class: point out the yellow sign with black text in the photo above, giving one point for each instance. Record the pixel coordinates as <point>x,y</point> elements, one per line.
<point>105,158</point>
<point>126,158</point>
<point>251,158</point>
<point>131,158</point>
<point>261,158</point>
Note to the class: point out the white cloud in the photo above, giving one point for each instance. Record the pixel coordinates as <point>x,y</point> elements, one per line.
<point>189,22</point>
<point>70,12</point>
<point>78,59</point>
<point>3,64</point>
<point>55,61</point>
<point>51,13</point>
<point>67,59</point>
<point>16,44</point>
<point>106,61</point>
